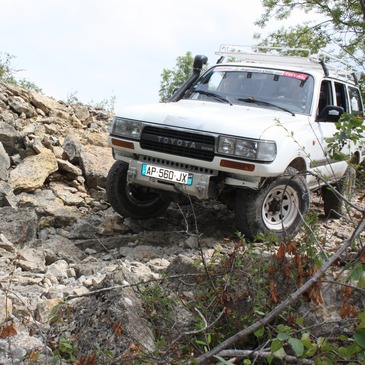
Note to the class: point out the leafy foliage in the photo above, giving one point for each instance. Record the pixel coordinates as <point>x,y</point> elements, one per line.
<point>106,104</point>
<point>240,288</point>
<point>7,74</point>
<point>340,22</point>
<point>173,78</point>
<point>349,129</point>
<point>301,36</point>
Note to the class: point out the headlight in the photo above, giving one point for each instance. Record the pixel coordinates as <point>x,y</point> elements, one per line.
<point>247,148</point>
<point>226,145</point>
<point>126,128</point>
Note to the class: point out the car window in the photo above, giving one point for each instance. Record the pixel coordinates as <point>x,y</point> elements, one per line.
<point>341,99</point>
<point>325,95</point>
<point>355,100</point>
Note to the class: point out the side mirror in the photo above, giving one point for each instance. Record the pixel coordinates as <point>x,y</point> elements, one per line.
<point>330,113</point>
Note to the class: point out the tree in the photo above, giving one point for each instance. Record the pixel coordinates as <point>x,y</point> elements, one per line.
<point>7,74</point>
<point>300,36</point>
<point>341,23</point>
<point>172,79</point>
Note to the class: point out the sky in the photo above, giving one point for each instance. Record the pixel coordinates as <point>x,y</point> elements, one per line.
<point>99,50</point>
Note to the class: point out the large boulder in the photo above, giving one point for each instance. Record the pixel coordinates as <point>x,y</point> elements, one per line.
<point>46,104</point>
<point>96,162</point>
<point>10,137</point>
<point>32,172</point>
<point>19,226</point>
<point>17,104</point>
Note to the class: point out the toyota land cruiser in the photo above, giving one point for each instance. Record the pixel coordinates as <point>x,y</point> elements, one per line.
<point>252,129</point>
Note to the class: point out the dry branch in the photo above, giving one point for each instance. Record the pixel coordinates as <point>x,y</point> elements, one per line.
<point>262,354</point>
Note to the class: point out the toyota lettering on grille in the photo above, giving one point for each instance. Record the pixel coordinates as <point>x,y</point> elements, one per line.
<point>176,142</point>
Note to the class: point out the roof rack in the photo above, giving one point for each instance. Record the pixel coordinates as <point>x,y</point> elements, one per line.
<point>267,54</point>
<point>234,50</point>
<point>334,65</point>
<point>323,61</point>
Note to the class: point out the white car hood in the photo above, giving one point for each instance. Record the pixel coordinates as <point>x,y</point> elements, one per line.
<point>221,118</point>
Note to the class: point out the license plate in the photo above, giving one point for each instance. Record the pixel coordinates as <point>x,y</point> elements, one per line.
<point>162,173</point>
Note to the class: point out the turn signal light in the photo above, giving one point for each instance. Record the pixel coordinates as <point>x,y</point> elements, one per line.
<point>125,144</point>
<point>237,165</point>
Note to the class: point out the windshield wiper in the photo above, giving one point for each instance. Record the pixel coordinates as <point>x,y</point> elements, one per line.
<point>261,102</point>
<point>213,95</point>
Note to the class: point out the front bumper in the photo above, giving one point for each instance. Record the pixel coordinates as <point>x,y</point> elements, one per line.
<point>199,187</point>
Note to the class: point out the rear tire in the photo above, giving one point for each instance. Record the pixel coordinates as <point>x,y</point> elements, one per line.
<point>133,200</point>
<point>278,207</point>
<point>334,206</point>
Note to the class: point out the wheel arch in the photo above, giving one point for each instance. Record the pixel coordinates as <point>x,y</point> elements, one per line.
<point>299,164</point>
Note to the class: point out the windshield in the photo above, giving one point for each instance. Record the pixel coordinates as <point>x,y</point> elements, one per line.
<point>259,87</point>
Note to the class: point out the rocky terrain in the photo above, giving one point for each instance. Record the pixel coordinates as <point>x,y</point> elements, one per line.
<point>59,238</point>
<point>58,235</point>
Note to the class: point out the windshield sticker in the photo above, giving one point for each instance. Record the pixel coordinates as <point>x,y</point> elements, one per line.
<point>293,75</point>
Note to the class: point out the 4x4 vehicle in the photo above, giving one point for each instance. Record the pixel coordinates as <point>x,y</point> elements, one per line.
<point>252,129</point>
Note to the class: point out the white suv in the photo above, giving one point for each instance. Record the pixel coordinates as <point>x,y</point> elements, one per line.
<point>251,129</point>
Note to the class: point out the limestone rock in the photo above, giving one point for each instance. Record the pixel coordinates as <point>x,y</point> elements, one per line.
<point>10,138</point>
<point>82,113</point>
<point>51,209</point>
<point>69,167</point>
<point>7,196</point>
<point>4,163</point>
<point>95,163</point>
<point>19,226</point>
<point>59,269</point>
<point>7,116</point>
<point>45,104</point>
<point>14,90</point>
<point>71,148</point>
<point>111,225</point>
<point>44,308</point>
<point>33,171</point>
<point>6,244</point>
<point>69,195</point>
<point>30,259</point>
<point>20,106</point>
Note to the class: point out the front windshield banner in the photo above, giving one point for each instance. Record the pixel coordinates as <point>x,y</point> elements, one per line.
<point>294,75</point>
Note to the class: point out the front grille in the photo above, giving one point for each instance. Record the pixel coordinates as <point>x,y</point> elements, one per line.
<point>178,143</point>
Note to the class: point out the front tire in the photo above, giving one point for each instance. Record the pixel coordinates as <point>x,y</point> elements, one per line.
<point>278,207</point>
<point>132,200</point>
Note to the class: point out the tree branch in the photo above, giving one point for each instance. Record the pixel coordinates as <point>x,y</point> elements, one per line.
<point>262,354</point>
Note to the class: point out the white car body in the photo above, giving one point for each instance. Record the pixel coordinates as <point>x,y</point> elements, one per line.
<point>296,139</point>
